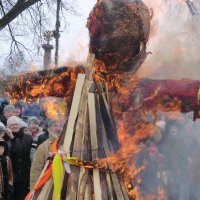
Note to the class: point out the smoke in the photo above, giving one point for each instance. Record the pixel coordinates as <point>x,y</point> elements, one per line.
<point>174,41</point>
<point>77,53</point>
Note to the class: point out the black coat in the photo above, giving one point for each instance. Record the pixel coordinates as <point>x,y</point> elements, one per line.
<point>19,150</point>
<point>43,137</point>
<point>3,120</point>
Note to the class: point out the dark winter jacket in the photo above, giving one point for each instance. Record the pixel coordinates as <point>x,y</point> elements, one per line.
<point>19,152</point>
<point>6,173</point>
<point>39,139</point>
<point>43,137</point>
<point>3,120</point>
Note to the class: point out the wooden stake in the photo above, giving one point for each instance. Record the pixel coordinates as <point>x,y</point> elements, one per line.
<point>94,145</point>
<point>73,113</point>
<point>115,180</point>
<point>74,176</point>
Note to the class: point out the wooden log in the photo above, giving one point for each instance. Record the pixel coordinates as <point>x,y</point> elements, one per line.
<point>94,145</point>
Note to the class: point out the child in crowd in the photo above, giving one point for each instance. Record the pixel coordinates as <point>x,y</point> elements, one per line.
<point>6,173</point>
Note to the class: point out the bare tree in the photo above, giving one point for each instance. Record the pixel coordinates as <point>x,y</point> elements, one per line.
<point>22,23</point>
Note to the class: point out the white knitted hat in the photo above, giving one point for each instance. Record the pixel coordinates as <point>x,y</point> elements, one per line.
<point>13,120</point>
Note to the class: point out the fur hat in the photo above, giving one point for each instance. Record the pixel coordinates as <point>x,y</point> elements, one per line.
<point>13,120</point>
<point>8,108</point>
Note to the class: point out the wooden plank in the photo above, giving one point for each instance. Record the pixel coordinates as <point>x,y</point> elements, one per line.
<point>104,99</point>
<point>82,186</point>
<point>126,197</point>
<point>108,96</point>
<point>73,181</point>
<point>75,176</point>
<point>97,185</point>
<point>90,62</point>
<point>116,184</point>
<point>88,190</point>
<point>73,113</point>
<point>110,189</point>
<point>85,146</point>
<point>94,145</point>
<point>93,126</point>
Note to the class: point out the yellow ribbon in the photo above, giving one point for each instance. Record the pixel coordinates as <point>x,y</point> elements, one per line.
<point>57,171</point>
<point>71,160</point>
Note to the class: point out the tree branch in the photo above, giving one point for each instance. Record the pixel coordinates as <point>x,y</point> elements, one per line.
<point>17,9</point>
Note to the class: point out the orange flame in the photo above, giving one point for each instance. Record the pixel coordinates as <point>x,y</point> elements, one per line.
<point>55,110</point>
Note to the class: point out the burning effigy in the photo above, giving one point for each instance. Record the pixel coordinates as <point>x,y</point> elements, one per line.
<point>113,114</point>
<point>119,32</point>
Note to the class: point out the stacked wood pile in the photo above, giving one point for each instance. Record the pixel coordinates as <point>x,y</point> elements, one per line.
<point>90,135</point>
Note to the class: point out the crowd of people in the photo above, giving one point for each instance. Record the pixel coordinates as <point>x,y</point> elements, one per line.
<point>23,129</point>
<point>172,158</point>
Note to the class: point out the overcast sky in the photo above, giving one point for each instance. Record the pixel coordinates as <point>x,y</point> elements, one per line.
<point>74,43</point>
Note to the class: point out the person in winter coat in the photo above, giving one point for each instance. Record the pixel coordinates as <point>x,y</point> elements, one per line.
<point>44,151</point>
<point>54,126</point>
<point>8,111</point>
<point>6,172</point>
<point>19,147</point>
